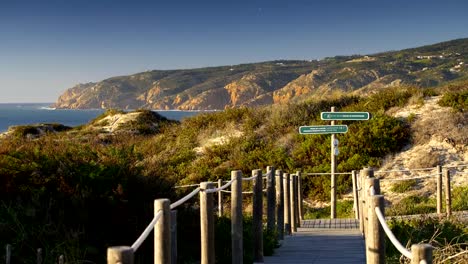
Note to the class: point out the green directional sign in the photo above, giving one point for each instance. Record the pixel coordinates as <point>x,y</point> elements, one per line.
<point>323,129</point>
<point>345,115</point>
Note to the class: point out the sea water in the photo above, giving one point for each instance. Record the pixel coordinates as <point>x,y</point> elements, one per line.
<point>34,113</point>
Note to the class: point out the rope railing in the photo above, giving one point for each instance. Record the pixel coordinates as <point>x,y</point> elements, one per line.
<point>218,189</point>
<point>410,178</point>
<point>406,170</point>
<point>185,198</point>
<point>326,173</point>
<point>249,179</point>
<point>146,232</point>
<point>186,186</point>
<point>391,236</point>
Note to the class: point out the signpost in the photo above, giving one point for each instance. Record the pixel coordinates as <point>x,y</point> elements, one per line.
<point>334,129</point>
<point>345,115</point>
<point>323,129</point>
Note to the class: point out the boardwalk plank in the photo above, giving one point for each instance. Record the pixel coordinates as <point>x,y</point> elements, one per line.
<point>322,245</point>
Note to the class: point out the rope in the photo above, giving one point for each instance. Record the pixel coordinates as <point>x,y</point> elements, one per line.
<point>372,190</point>
<point>457,166</point>
<point>391,236</point>
<point>411,178</point>
<point>147,231</point>
<point>422,169</point>
<point>220,188</point>
<point>185,198</point>
<point>249,179</point>
<point>186,186</point>
<point>327,173</point>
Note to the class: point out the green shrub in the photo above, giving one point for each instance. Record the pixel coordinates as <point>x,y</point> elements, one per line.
<point>456,100</point>
<point>344,209</point>
<point>413,204</point>
<point>425,230</point>
<point>403,186</point>
<point>460,198</point>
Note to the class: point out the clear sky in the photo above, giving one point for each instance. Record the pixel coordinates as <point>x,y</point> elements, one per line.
<point>47,46</point>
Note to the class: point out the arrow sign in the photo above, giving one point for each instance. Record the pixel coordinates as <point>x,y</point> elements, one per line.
<point>323,129</point>
<point>344,115</point>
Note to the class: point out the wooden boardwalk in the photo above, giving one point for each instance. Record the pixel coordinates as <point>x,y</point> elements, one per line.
<point>327,241</point>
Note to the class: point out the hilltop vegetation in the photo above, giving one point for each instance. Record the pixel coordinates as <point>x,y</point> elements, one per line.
<point>68,192</point>
<point>275,82</point>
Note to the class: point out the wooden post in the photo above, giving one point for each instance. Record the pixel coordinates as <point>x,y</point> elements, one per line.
<point>236,217</point>
<point>296,200</point>
<point>287,204</point>
<point>174,236</point>
<point>258,215</point>
<point>120,255</point>
<point>162,232</point>
<point>375,247</point>
<point>220,199</point>
<point>362,202</point>
<point>293,196</point>
<point>355,194</point>
<point>439,189</point>
<point>271,198</point>
<point>421,252</point>
<point>333,176</point>
<point>39,256</point>
<point>280,204</point>
<point>448,193</point>
<point>299,197</point>
<point>207,224</point>
<point>8,254</point>
<point>367,173</point>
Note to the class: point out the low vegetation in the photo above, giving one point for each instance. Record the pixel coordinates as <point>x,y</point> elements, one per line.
<point>69,192</point>
<point>448,237</point>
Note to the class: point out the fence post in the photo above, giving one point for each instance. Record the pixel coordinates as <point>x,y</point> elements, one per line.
<point>207,224</point>
<point>421,252</point>
<point>174,236</point>
<point>448,193</point>
<point>8,254</point>
<point>236,217</point>
<point>162,232</point>
<point>220,199</point>
<point>361,202</point>
<point>293,196</point>
<point>439,189</point>
<point>355,194</point>
<point>296,200</point>
<point>39,256</point>
<point>299,198</point>
<point>367,173</point>
<point>120,255</point>
<point>287,204</point>
<point>280,204</point>
<point>258,215</point>
<point>375,239</point>
<point>271,197</point>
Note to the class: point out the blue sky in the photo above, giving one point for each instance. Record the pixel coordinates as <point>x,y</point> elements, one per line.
<point>47,46</point>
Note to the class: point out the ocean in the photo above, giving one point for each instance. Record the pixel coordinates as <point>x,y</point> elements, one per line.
<point>33,113</point>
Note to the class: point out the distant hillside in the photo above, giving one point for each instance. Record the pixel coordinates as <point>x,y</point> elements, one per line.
<point>273,82</point>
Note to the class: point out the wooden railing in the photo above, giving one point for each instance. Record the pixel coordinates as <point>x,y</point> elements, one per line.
<point>372,217</point>
<point>283,215</point>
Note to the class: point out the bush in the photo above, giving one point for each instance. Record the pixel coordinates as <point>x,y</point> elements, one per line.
<point>437,232</point>
<point>456,100</point>
<point>460,198</point>
<point>403,186</point>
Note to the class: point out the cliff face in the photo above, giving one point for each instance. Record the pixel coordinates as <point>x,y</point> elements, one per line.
<point>272,82</point>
